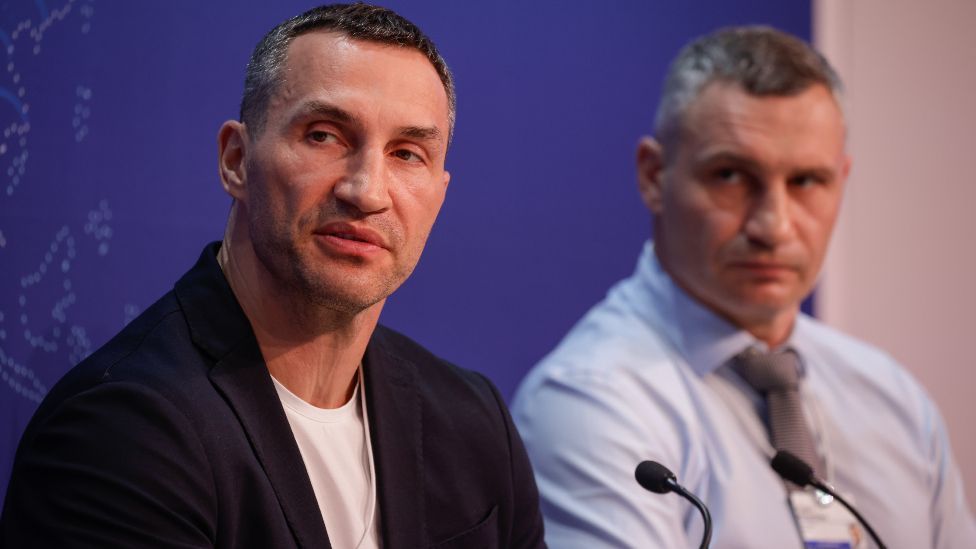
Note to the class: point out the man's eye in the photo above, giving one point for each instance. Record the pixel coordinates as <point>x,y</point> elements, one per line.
<point>409,156</point>
<point>320,136</point>
<point>805,180</point>
<point>728,175</point>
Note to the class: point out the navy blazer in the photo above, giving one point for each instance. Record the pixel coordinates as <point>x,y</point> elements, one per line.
<point>172,435</point>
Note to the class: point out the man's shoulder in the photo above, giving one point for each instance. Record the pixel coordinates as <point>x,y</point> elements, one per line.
<point>843,350</point>
<point>154,352</point>
<point>846,361</point>
<point>133,342</point>
<point>613,365</point>
<point>609,343</point>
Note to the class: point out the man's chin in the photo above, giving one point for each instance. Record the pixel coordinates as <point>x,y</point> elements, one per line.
<point>764,306</point>
<point>350,304</point>
<point>347,294</point>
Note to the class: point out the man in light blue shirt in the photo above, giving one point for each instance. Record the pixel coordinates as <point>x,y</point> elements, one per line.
<point>744,180</point>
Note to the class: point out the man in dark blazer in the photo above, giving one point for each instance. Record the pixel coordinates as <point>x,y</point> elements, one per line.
<point>174,434</point>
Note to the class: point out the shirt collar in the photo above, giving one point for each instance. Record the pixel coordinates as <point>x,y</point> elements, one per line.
<point>706,340</point>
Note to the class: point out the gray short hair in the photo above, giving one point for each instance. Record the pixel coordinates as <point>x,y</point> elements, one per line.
<point>763,60</point>
<point>358,21</point>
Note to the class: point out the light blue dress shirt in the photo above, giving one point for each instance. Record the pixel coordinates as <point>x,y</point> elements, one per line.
<point>645,375</point>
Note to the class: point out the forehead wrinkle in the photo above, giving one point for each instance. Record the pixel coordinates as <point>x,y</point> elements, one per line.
<point>342,63</point>
<point>723,131</point>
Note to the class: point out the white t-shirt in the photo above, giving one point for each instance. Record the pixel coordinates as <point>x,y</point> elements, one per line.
<point>338,456</point>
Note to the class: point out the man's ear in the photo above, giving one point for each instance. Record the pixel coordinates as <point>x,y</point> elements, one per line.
<point>231,154</point>
<point>846,169</point>
<point>650,170</point>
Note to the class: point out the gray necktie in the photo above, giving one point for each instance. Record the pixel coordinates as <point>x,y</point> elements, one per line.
<point>776,376</point>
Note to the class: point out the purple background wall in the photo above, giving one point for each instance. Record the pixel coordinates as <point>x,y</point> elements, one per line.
<point>108,184</point>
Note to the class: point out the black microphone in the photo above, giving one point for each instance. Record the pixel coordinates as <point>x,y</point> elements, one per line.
<point>800,473</point>
<point>659,479</point>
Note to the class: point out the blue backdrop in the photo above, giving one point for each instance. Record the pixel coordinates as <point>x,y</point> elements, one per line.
<point>109,188</point>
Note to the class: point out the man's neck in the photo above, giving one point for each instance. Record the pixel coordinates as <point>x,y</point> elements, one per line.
<point>312,350</point>
<point>773,332</point>
<point>772,328</point>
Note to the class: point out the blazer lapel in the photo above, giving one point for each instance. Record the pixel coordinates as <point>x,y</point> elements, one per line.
<point>396,427</point>
<point>244,381</point>
<point>220,328</point>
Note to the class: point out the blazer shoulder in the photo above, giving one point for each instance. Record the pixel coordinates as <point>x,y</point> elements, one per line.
<point>154,350</point>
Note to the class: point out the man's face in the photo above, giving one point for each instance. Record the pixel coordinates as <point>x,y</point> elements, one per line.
<point>343,183</point>
<point>746,201</point>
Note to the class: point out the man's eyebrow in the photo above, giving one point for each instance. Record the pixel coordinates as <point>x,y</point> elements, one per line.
<point>720,157</point>
<point>823,172</point>
<point>424,133</point>
<point>325,110</point>
<point>328,110</point>
<point>729,157</point>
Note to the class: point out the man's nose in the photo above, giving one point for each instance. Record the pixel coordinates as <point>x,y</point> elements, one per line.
<point>365,186</point>
<point>770,220</point>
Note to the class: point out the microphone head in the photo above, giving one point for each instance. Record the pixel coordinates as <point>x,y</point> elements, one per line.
<point>792,468</point>
<point>654,477</point>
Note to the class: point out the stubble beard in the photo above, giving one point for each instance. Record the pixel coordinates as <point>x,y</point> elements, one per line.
<point>289,254</point>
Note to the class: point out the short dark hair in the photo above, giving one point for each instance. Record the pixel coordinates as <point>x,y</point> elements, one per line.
<point>358,21</point>
<point>763,60</point>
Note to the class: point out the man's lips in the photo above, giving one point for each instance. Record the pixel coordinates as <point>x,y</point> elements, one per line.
<point>772,268</point>
<point>352,236</point>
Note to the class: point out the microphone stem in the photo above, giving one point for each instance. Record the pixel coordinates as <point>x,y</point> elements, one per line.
<point>706,516</point>
<point>874,535</point>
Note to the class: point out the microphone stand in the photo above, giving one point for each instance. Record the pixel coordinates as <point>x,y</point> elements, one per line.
<point>654,477</point>
<point>706,516</point>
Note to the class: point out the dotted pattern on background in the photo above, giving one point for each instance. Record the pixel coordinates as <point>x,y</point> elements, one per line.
<point>49,280</point>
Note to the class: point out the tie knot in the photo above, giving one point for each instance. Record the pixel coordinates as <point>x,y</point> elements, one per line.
<point>768,372</point>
